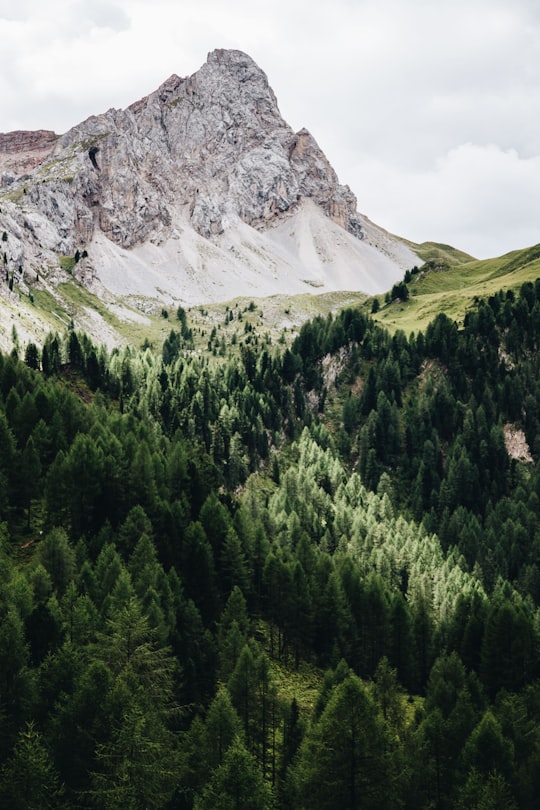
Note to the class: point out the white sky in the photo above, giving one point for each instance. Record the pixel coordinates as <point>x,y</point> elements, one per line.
<point>428,109</point>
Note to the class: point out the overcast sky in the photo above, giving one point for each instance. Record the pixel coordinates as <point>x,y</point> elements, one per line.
<point>428,109</point>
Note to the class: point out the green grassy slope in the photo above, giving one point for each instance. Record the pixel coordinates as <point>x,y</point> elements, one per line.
<point>451,286</point>
<point>436,250</point>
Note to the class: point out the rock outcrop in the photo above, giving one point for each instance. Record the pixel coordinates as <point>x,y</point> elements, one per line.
<point>21,151</point>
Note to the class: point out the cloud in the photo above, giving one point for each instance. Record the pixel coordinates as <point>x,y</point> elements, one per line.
<point>481,199</point>
<point>100,15</point>
<point>402,95</point>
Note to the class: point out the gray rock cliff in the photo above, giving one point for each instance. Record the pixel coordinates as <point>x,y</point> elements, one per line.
<point>207,154</point>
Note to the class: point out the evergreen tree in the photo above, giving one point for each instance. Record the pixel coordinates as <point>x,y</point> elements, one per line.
<point>221,728</point>
<point>31,356</point>
<point>16,679</point>
<point>58,558</point>
<point>28,780</point>
<point>242,686</point>
<point>235,785</point>
<point>137,767</point>
<point>344,760</point>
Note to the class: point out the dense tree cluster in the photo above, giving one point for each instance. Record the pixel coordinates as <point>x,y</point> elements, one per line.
<point>249,582</point>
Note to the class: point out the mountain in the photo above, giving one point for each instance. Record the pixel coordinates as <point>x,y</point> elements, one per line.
<point>244,573</point>
<point>198,192</point>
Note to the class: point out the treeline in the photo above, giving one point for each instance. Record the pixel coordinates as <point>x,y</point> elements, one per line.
<point>183,540</point>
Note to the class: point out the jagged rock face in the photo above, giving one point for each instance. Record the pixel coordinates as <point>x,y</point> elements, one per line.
<point>209,153</point>
<point>213,143</point>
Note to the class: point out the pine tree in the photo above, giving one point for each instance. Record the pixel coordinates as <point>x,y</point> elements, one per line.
<point>28,780</point>
<point>233,564</point>
<point>137,767</point>
<point>242,687</point>
<point>58,558</point>
<point>235,785</point>
<point>31,356</point>
<point>16,679</point>
<point>344,760</point>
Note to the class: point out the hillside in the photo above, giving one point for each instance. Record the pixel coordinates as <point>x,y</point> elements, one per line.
<point>451,282</point>
<point>429,251</point>
<point>230,572</point>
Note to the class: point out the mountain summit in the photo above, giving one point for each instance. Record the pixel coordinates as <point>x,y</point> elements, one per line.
<point>198,192</point>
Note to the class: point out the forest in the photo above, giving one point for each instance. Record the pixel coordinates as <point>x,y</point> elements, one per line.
<point>293,577</point>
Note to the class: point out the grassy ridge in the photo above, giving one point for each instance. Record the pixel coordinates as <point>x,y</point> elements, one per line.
<point>436,250</point>
<point>452,288</point>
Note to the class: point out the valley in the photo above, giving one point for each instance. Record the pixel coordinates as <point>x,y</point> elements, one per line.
<point>269,478</point>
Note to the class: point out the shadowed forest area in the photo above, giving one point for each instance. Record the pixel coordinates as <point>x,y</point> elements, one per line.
<point>302,576</point>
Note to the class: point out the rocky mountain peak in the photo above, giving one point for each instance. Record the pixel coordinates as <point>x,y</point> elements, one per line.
<point>213,144</point>
<point>184,171</point>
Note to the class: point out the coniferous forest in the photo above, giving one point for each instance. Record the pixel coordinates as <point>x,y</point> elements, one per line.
<point>293,577</point>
